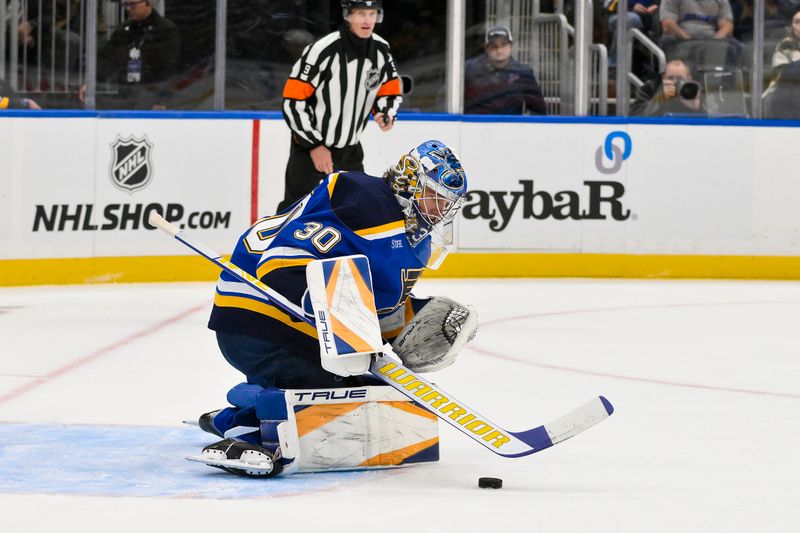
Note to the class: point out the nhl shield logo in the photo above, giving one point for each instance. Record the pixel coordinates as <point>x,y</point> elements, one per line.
<point>131,168</point>
<point>373,78</point>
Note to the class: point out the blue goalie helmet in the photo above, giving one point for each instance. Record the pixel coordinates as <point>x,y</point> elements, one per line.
<point>430,185</point>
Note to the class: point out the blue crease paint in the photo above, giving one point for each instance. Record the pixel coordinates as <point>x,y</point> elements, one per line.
<point>132,461</point>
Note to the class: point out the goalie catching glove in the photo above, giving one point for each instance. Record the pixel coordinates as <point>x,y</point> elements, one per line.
<point>436,334</point>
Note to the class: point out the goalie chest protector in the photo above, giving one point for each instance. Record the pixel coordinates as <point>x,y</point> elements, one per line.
<point>349,213</point>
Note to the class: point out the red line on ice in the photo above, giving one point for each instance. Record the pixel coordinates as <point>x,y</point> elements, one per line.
<point>496,355</point>
<point>629,378</point>
<point>97,354</point>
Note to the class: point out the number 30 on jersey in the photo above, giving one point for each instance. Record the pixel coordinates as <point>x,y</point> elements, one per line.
<point>262,232</point>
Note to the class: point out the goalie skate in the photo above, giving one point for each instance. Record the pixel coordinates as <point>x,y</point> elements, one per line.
<point>240,458</point>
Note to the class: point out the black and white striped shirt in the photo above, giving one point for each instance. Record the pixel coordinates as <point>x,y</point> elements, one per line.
<point>334,86</point>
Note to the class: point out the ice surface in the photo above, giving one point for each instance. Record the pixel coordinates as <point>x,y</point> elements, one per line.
<point>704,377</point>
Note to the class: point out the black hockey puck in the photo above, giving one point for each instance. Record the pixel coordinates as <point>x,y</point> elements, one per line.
<point>490,483</point>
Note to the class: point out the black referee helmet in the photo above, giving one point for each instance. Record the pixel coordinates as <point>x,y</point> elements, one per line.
<point>348,5</point>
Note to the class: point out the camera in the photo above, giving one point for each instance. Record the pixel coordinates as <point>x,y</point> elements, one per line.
<point>688,90</point>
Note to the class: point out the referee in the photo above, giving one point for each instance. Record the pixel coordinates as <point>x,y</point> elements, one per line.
<point>329,95</point>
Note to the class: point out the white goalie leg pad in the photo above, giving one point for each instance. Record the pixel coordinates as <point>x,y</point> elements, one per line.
<point>344,310</point>
<point>356,428</point>
<point>435,336</point>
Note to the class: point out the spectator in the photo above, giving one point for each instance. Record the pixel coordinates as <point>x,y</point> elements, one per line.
<point>787,52</point>
<point>292,25</point>
<point>642,15</point>
<point>9,99</point>
<point>776,15</point>
<point>785,101</point>
<point>52,33</point>
<point>139,58</point>
<point>329,95</point>
<point>675,93</point>
<point>695,19</point>
<point>196,23</point>
<point>294,41</point>
<point>497,84</point>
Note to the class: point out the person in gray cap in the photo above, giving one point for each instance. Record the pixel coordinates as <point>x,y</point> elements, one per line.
<point>497,84</point>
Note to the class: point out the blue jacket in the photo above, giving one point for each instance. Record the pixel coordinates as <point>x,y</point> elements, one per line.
<point>511,90</point>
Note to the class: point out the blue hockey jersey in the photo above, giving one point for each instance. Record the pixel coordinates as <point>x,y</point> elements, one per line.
<point>348,213</point>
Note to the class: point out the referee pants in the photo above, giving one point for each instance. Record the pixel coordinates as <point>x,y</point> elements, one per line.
<point>302,177</point>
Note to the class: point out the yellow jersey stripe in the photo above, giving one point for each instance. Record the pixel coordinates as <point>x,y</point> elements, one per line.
<point>391,333</point>
<point>332,183</point>
<point>398,226</point>
<point>4,102</point>
<point>239,302</point>
<point>280,262</point>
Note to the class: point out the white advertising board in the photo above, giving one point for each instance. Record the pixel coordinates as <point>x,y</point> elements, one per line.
<point>6,216</point>
<point>602,188</point>
<point>273,154</point>
<point>51,169</point>
<point>618,188</point>
<point>85,187</point>
<point>381,150</point>
<point>82,187</point>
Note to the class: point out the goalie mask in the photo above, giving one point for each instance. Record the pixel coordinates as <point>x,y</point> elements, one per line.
<point>430,185</point>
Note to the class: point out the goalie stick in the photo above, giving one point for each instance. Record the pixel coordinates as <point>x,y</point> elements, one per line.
<point>387,367</point>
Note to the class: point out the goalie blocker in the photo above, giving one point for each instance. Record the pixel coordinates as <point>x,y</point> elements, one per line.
<point>340,298</point>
